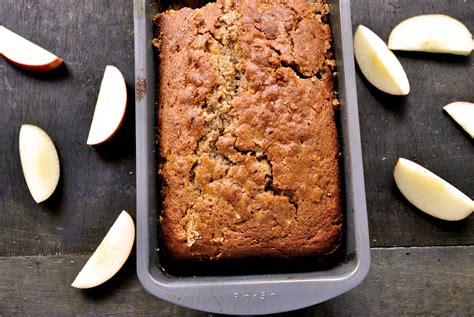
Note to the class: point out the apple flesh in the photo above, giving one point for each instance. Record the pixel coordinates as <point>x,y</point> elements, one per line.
<point>378,64</point>
<point>433,33</point>
<point>430,193</point>
<point>463,113</point>
<point>110,108</point>
<point>110,255</point>
<point>25,54</point>
<point>39,161</point>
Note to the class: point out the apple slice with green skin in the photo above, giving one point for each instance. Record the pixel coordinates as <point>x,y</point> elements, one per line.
<point>110,108</point>
<point>110,255</point>
<point>26,54</point>
<point>378,64</point>
<point>39,161</point>
<point>430,193</point>
<point>463,113</point>
<point>433,33</point>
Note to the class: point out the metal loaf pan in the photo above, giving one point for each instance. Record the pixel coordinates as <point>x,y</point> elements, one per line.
<point>259,293</point>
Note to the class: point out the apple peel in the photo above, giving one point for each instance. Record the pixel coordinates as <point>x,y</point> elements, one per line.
<point>430,193</point>
<point>110,255</point>
<point>378,64</point>
<point>39,162</point>
<point>26,54</point>
<point>463,113</point>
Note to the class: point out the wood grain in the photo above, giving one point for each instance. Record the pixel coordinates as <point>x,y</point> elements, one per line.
<point>402,281</point>
<point>95,184</point>
<point>415,127</point>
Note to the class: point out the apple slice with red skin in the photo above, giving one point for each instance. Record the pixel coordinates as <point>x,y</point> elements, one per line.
<point>110,108</point>
<point>110,255</point>
<point>26,54</point>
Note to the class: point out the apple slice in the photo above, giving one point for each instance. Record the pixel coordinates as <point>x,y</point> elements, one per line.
<point>110,108</point>
<point>25,54</point>
<point>463,113</point>
<point>110,255</point>
<point>39,161</point>
<point>430,193</point>
<point>433,33</point>
<point>378,64</point>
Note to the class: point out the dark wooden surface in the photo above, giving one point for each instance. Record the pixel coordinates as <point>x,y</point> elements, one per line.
<point>415,127</point>
<point>420,265</point>
<point>435,280</point>
<point>95,185</point>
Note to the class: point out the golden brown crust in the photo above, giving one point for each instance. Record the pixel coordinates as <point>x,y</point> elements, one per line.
<point>248,144</point>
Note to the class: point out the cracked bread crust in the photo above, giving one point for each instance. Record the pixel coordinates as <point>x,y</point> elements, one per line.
<point>248,146</point>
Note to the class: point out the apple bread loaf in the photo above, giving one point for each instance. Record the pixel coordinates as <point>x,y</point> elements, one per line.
<point>248,147</point>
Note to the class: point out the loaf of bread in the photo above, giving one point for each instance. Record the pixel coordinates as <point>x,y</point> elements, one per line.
<point>248,147</point>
